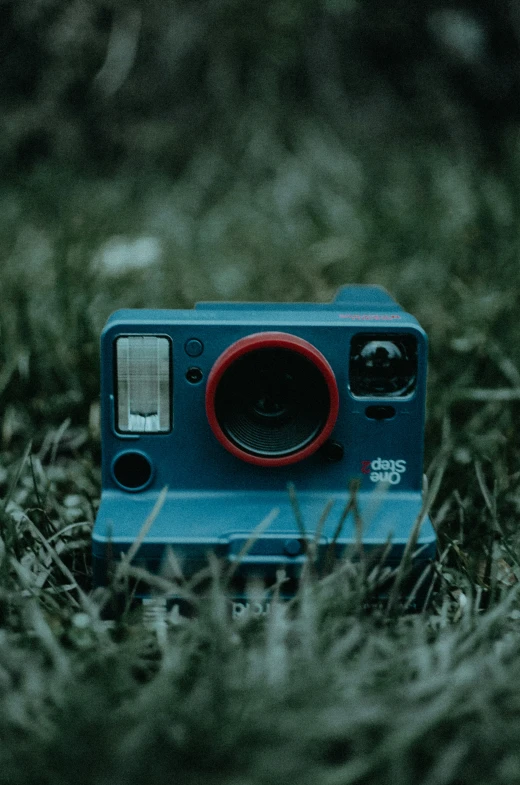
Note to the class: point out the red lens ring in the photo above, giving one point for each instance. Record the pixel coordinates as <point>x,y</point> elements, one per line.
<point>270,340</point>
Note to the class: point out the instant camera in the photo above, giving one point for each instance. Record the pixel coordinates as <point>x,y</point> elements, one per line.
<point>220,409</point>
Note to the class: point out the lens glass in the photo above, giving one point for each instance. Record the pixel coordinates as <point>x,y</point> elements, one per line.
<point>383,365</point>
<point>272,402</point>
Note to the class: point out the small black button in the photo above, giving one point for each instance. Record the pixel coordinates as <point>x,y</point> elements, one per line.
<point>333,451</point>
<point>194,375</point>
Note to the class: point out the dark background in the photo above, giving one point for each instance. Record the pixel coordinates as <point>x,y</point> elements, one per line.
<point>101,85</point>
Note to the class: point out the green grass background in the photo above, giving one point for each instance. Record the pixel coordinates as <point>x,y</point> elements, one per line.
<point>249,190</point>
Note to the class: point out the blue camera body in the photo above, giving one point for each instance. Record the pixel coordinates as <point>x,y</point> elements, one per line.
<point>229,404</point>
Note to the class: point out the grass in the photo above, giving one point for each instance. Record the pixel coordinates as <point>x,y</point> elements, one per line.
<point>319,691</point>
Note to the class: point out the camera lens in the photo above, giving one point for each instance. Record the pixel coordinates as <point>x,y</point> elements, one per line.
<point>272,403</point>
<point>383,365</point>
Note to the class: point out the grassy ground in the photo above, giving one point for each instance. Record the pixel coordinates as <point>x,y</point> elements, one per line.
<point>319,692</point>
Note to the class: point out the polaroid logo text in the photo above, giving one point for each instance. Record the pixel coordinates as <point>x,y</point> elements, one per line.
<point>383,470</point>
<point>252,608</point>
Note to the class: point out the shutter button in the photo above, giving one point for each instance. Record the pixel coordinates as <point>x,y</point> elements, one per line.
<point>193,347</point>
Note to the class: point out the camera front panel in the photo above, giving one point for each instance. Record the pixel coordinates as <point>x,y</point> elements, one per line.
<point>351,405</point>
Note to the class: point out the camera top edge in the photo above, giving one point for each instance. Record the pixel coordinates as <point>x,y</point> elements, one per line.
<point>366,305</point>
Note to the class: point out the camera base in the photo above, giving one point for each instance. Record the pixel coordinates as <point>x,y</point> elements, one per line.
<point>257,535</point>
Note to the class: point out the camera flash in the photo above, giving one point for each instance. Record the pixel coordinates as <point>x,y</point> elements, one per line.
<point>143,384</point>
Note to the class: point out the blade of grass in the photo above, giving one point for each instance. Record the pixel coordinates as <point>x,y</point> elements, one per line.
<point>257,531</point>
<point>414,534</point>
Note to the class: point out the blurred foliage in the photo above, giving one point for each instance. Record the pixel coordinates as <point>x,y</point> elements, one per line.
<point>99,83</point>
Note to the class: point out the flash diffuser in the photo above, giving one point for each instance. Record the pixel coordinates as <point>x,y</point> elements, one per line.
<point>143,384</point>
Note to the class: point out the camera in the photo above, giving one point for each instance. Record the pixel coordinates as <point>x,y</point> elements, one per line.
<point>220,409</point>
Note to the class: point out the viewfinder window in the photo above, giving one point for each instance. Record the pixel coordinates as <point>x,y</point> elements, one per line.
<point>383,365</point>
<point>144,387</point>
